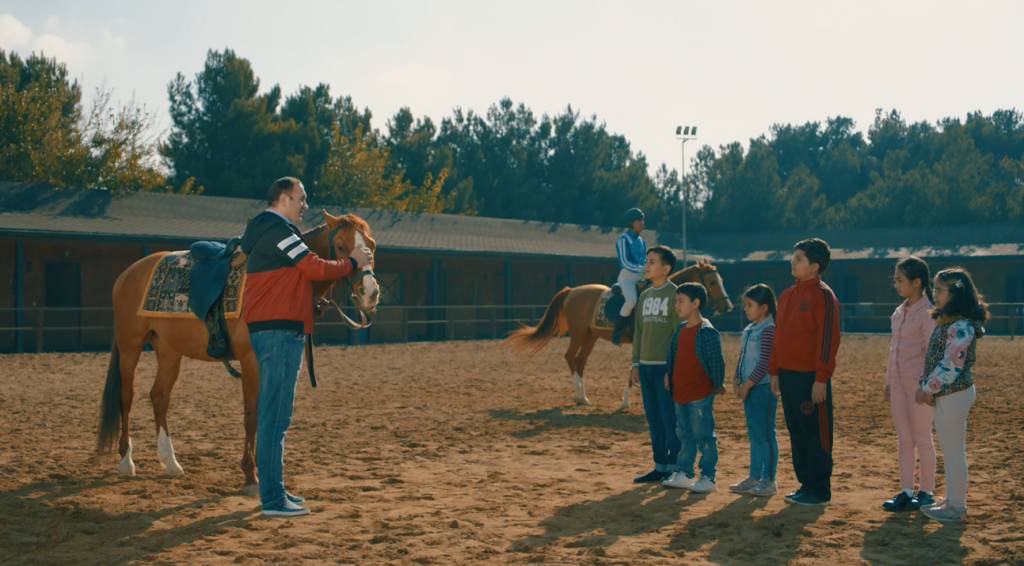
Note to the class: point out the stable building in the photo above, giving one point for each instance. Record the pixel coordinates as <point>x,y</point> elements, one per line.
<point>441,276</point>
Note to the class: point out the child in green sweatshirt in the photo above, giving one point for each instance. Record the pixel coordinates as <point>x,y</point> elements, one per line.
<point>656,321</point>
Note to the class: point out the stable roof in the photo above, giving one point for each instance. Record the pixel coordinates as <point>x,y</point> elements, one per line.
<point>36,211</point>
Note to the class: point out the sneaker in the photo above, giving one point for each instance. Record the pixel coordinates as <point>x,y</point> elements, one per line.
<point>284,508</point>
<point>944,513</point>
<point>703,484</point>
<point>296,499</point>
<point>789,496</point>
<point>765,488</point>
<point>744,486</point>
<point>807,500</point>
<point>678,480</point>
<point>922,499</point>
<point>897,503</point>
<point>651,476</point>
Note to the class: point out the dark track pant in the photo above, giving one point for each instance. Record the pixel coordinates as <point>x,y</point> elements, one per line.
<point>810,431</point>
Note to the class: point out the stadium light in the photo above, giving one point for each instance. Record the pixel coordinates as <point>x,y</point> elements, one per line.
<point>688,133</point>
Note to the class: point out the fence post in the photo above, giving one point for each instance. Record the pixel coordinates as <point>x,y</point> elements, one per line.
<point>40,318</point>
<point>450,318</point>
<point>405,324</point>
<point>494,322</point>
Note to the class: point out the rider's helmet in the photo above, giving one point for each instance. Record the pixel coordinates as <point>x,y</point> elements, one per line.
<point>633,214</point>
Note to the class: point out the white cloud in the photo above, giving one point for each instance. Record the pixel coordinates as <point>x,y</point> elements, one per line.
<point>74,53</point>
<point>111,40</point>
<point>13,33</point>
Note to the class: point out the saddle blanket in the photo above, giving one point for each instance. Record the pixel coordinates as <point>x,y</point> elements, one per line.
<point>601,319</point>
<point>167,291</point>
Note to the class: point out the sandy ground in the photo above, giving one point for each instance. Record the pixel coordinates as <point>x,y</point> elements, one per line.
<point>459,453</point>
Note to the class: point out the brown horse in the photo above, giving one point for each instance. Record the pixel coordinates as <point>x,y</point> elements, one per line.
<point>174,338</point>
<point>573,309</point>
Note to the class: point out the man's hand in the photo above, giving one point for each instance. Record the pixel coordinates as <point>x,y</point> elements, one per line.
<point>819,392</point>
<point>320,305</point>
<point>720,390</point>
<point>774,384</point>
<point>363,256</point>
<point>742,390</point>
<point>888,394</point>
<point>634,376</point>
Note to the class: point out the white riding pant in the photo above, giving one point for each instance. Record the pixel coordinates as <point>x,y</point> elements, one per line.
<point>628,281</point>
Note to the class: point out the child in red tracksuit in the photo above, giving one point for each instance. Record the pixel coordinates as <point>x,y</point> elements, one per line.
<point>803,359</point>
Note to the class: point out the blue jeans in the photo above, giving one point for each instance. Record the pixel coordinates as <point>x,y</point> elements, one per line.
<point>279,354</point>
<point>696,428</point>
<point>660,417</point>
<point>760,407</point>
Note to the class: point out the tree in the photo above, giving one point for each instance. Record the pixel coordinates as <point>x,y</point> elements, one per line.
<point>45,137</point>
<point>358,173</point>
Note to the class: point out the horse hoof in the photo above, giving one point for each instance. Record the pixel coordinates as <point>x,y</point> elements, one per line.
<point>174,470</point>
<point>251,489</point>
<point>624,405</point>
<point>124,470</point>
<point>580,400</point>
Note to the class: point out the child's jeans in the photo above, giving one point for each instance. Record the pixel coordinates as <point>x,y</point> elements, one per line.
<point>695,425</point>
<point>760,407</point>
<point>658,410</point>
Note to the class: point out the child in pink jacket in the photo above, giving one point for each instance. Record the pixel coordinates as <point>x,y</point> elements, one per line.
<point>912,327</point>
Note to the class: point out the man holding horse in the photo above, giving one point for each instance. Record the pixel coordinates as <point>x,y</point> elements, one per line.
<point>632,253</point>
<point>278,312</point>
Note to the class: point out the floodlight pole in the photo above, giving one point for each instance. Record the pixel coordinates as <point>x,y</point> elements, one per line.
<point>684,136</point>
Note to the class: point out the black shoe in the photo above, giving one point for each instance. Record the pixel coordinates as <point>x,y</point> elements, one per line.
<point>920,500</point>
<point>897,503</point>
<point>651,476</point>
<point>807,500</point>
<point>789,496</point>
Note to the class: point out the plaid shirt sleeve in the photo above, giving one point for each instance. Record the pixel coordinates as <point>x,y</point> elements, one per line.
<point>670,360</point>
<point>710,355</point>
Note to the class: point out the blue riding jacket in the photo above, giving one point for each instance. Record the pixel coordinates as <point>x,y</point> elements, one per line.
<point>632,252</point>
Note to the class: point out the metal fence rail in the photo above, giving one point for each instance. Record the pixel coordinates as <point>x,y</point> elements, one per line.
<point>91,328</point>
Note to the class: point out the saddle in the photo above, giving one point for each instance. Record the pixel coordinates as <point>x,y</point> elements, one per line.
<point>211,266</point>
<point>612,301</point>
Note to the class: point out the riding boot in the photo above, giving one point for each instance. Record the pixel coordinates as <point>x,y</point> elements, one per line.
<point>620,325</point>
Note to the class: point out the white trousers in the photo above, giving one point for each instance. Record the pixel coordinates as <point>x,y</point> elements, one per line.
<point>951,427</point>
<point>628,281</point>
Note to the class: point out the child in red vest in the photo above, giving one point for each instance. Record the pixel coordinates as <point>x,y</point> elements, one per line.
<point>802,361</point>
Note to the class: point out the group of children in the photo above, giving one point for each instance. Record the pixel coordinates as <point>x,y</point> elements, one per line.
<point>788,352</point>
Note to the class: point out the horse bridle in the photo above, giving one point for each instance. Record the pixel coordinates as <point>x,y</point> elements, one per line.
<point>704,272</point>
<point>350,281</point>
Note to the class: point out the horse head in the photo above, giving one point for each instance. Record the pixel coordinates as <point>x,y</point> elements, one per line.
<point>345,233</point>
<point>709,276</point>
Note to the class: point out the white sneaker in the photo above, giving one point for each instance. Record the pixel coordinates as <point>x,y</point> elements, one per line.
<point>677,480</point>
<point>744,486</point>
<point>703,485</point>
<point>764,489</point>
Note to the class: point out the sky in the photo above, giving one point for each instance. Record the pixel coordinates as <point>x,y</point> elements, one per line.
<point>731,68</point>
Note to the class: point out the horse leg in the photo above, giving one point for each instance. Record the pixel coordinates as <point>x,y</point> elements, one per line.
<point>130,350</point>
<point>250,396</point>
<point>581,363</point>
<point>625,395</point>
<point>168,368</point>
<point>575,342</point>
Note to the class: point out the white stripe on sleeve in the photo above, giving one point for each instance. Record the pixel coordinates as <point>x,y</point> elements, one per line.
<point>288,241</point>
<point>297,250</point>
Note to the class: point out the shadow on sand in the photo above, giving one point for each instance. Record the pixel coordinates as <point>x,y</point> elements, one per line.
<point>83,535</point>
<point>554,419</point>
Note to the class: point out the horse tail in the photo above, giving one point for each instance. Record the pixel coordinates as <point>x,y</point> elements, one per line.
<point>551,325</point>
<point>110,407</point>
